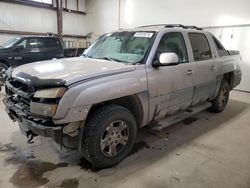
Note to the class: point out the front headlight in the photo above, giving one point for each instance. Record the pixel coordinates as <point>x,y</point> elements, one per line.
<point>43,109</point>
<point>45,101</point>
<point>50,93</point>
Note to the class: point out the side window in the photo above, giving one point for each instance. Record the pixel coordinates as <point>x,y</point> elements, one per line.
<point>34,43</point>
<point>23,43</point>
<point>220,48</point>
<point>174,42</point>
<point>218,45</point>
<point>200,46</point>
<point>51,43</point>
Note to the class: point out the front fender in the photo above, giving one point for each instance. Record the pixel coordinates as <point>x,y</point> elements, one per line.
<point>77,101</point>
<point>107,91</point>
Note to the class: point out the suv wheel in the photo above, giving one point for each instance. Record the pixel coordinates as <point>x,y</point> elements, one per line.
<point>3,69</point>
<point>109,136</point>
<point>220,102</point>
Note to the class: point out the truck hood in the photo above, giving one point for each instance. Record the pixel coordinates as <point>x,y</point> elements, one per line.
<point>4,50</point>
<point>72,70</point>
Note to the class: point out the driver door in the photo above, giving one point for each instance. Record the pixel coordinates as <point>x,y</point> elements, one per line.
<point>29,51</point>
<point>170,87</point>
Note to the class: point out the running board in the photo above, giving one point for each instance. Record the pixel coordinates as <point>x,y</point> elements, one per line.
<point>179,116</point>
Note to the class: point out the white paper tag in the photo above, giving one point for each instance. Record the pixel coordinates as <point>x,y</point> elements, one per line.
<point>143,34</point>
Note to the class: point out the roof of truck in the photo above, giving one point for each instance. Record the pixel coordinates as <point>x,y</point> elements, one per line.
<point>158,27</point>
<point>38,36</point>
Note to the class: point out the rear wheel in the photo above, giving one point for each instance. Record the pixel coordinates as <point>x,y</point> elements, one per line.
<point>3,69</point>
<point>220,102</point>
<point>109,136</point>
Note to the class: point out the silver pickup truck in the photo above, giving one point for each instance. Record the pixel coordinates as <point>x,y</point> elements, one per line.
<point>125,80</point>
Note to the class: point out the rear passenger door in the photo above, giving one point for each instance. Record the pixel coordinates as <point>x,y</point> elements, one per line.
<point>51,48</point>
<point>204,69</point>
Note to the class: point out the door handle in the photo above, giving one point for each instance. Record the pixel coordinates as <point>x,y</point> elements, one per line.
<point>189,72</point>
<point>212,68</point>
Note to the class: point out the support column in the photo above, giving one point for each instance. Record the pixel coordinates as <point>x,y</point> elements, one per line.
<point>59,18</point>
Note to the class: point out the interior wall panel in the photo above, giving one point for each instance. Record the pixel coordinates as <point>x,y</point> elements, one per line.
<point>27,18</point>
<point>103,15</point>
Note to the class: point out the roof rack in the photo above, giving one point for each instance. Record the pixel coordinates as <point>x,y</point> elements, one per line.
<point>192,27</point>
<point>173,25</point>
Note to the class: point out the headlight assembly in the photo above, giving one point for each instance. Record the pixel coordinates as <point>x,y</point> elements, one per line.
<point>50,93</point>
<point>45,101</point>
<point>43,109</point>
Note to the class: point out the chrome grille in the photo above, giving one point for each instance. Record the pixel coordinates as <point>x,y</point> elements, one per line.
<point>20,94</point>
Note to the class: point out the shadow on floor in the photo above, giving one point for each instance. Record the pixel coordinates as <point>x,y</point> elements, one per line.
<point>174,136</point>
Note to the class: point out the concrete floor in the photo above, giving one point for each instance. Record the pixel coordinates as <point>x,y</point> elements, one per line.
<point>207,150</point>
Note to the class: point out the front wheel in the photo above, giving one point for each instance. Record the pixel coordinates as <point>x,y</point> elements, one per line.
<point>220,102</point>
<point>109,136</point>
<point>3,69</point>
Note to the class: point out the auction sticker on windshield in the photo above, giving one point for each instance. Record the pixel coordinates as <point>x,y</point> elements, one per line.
<point>143,34</point>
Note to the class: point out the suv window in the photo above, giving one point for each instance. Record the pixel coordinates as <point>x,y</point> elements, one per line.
<point>218,45</point>
<point>220,48</point>
<point>30,43</point>
<point>124,47</point>
<point>23,43</point>
<point>174,42</point>
<point>34,43</point>
<point>51,43</point>
<point>200,46</point>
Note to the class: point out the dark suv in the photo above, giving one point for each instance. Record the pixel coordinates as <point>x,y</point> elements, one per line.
<point>23,50</point>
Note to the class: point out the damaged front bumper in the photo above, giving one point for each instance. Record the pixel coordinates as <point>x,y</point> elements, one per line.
<point>29,125</point>
<point>19,95</point>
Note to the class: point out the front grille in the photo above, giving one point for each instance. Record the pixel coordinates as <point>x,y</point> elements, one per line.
<point>19,95</point>
<point>19,88</point>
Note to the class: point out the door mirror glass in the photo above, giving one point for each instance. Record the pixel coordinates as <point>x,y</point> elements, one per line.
<point>167,59</point>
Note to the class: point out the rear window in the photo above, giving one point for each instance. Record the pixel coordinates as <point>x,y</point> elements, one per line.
<point>200,46</point>
<point>220,48</point>
<point>218,45</point>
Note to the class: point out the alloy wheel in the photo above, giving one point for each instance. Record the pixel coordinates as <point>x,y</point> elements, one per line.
<point>114,138</point>
<point>223,96</point>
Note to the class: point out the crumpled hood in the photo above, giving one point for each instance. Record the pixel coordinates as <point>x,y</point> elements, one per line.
<point>72,69</point>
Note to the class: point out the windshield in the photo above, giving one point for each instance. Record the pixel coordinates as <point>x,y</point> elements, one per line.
<point>126,47</point>
<point>10,42</point>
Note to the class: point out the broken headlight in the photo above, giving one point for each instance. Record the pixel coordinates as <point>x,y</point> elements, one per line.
<point>43,109</point>
<point>45,101</point>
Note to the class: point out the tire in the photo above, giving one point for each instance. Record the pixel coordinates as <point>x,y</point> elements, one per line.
<point>108,136</point>
<point>220,102</point>
<point>3,68</point>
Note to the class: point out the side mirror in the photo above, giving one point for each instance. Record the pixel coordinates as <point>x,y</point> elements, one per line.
<point>18,48</point>
<point>167,59</point>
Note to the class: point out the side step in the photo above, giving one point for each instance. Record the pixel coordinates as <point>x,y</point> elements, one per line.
<point>179,116</point>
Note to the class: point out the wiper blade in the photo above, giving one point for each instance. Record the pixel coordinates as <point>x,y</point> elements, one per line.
<point>85,55</point>
<point>110,59</point>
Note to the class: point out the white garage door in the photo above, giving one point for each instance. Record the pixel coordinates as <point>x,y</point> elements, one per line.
<point>237,38</point>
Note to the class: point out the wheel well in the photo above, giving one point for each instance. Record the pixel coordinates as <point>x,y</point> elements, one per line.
<point>229,78</point>
<point>132,103</point>
<point>5,62</point>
